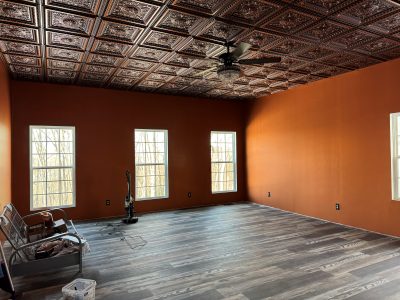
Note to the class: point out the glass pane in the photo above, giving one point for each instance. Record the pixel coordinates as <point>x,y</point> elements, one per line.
<point>38,134</point>
<point>160,137</point>
<point>53,174</point>
<point>39,201</point>
<point>53,160</point>
<point>66,186</point>
<point>53,200</point>
<point>66,174</point>
<point>140,171</point>
<point>53,187</point>
<point>66,135</point>
<point>38,147</point>
<point>66,160</point>
<point>38,160</point>
<point>150,136</point>
<point>52,147</point>
<point>38,175</point>
<point>52,134</point>
<point>66,147</point>
<point>39,188</point>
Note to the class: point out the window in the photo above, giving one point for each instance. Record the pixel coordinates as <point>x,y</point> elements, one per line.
<point>223,162</point>
<point>52,166</point>
<point>151,164</point>
<point>395,147</point>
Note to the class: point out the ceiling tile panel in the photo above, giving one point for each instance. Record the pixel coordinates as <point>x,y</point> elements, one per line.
<point>132,11</point>
<point>175,46</point>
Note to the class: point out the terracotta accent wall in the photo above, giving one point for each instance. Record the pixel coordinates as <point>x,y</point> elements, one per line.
<point>5,137</point>
<point>328,142</point>
<point>105,121</point>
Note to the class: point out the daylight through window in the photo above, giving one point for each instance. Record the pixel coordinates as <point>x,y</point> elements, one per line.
<point>151,164</point>
<point>395,147</point>
<point>52,166</point>
<point>223,161</point>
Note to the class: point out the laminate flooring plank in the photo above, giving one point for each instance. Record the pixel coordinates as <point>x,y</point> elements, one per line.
<point>237,252</point>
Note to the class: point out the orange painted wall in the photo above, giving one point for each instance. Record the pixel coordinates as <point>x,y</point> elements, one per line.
<point>5,137</point>
<point>328,142</point>
<point>105,121</point>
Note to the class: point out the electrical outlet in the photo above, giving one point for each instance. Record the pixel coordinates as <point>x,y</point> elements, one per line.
<point>269,194</point>
<point>337,206</point>
<point>190,195</point>
<point>108,202</point>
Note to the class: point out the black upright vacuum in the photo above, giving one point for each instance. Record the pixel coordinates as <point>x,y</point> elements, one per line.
<point>129,203</point>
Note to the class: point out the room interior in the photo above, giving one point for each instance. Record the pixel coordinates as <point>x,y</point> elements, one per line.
<point>307,95</point>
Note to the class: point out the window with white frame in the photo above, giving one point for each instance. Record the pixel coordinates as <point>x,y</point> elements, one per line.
<point>395,151</point>
<point>52,166</point>
<point>223,162</point>
<point>151,164</point>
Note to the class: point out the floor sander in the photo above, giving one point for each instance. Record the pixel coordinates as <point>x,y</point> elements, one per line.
<point>129,203</point>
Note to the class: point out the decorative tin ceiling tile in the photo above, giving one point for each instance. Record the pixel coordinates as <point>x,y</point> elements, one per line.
<point>62,73</point>
<point>179,22</point>
<point>104,60</point>
<point>111,48</point>
<point>94,77</point>
<point>150,54</point>
<point>169,70</point>
<point>89,6</point>
<point>19,48</point>
<point>126,81</point>
<point>201,48</point>
<point>150,84</point>
<point>66,40</point>
<point>70,22</point>
<point>120,32</point>
<point>132,11</point>
<point>392,53</point>
<point>387,25</point>
<point>25,69</point>
<point>139,64</point>
<point>18,33</point>
<point>206,6</point>
<point>323,31</point>
<point>287,63</point>
<point>366,10</point>
<point>359,63</point>
<point>18,12</point>
<point>23,60</point>
<point>338,58</point>
<point>309,68</point>
<point>288,47</point>
<point>183,80</point>
<point>62,64</point>
<point>162,40</point>
<point>220,31</point>
<point>215,93</point>
<point>316,53</point>
<point>329,72</point>
<point>66,54</point>
<point>378,46</point>
<point>172,86</point>
<point>321,6</point>
<point>159,77</point>
<point>97,69</point>
<point>354,38</point>
<point>259,39</point>
<point>129,73</point>
<point>289,21</point>
<point>251,11</point>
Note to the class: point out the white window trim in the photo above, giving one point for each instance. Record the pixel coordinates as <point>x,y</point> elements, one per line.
<point>165,164</point>
<point>394,154</point>
<point>31,168</point>
<point>234,162</point>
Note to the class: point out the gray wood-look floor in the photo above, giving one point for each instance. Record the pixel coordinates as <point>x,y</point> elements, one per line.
<point>241,251</point>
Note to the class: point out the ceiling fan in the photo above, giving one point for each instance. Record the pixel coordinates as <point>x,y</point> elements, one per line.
<point>230,69</point>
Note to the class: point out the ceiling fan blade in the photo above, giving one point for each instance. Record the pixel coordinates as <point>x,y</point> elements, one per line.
<point>206,71</point>
<point>260,61</point>
<point>240,49</point>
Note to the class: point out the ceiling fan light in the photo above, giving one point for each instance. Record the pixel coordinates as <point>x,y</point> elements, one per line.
<point>228,73</point>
